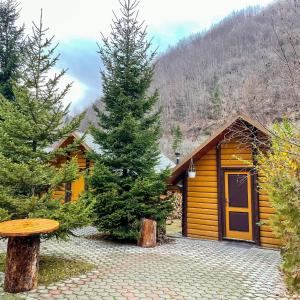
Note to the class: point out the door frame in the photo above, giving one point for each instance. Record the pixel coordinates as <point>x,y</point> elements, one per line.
<point>254,202</point>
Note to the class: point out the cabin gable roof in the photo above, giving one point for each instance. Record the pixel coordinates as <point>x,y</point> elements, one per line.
<point>87,142</point>
<point>212,141</point>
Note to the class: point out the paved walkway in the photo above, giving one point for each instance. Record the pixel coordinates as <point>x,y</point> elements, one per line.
<point>183,269</point>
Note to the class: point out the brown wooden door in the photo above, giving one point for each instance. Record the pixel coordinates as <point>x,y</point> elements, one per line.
<point>238,206</point>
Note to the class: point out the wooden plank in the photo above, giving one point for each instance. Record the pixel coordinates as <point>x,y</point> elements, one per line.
<point>202,222</point>
<point>269,246</point>
<point>202,194</point>
<point>235,150</point>
<point>264,216</point>
<point>206,173</point>
<point>208,162</point>
<point>203,205</point>
<point>205,233</point>
<point>270,241</point>
<point>198,197</point>
<point>197,236</point>
<point>202,183</point>
<point>202,200</point>
<point>203,178</point>
<point>269,210</point>
<point>247,156</point>
<point>268,234</point>
<point>263,192</point>
<point>205,168</point>
<point>202,216</point>
<point>203,227</point>
<point>81,159</point>
<point>208,157</point>
<point>205,189</point>
<point>265,228</point>
<point>264,198</point>
<point>264,204</point>
<point>202,211</point>
<point>196,182</point>
<point>235,163</point>
<point>235,145</point>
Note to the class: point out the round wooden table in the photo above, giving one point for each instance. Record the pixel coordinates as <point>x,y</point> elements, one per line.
<point>22,259</point>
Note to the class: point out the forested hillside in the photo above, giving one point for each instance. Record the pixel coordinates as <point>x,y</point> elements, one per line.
<point>248,62</point>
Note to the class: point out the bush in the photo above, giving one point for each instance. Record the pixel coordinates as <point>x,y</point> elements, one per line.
<point>280,171</point>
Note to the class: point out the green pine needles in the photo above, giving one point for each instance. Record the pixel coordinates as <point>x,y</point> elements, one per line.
<point>124,182</point>
<point>29,125</point>
<point>12,44</point>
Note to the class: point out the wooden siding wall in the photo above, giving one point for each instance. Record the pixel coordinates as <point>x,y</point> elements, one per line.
<point>59,193</point>
<point>232,155</point>
<point>202,203</point>
<point>267,237</point>
<point>202,207</point>
<point>77,185</point>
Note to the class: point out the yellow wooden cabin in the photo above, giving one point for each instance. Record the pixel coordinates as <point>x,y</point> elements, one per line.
<point>72,190</point>
<point>223,200</point>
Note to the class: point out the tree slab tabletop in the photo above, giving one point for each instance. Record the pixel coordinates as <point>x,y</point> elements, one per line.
<point>27,227</point>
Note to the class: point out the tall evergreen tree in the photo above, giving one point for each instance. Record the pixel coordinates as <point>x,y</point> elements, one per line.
<point>11,46</point>
<point>215,99</point>
<point>177,138</point>
<point>32,123</point>
<point>124,182</point>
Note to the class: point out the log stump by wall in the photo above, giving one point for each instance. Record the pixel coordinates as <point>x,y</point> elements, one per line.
<point>147,233</point>
<point>22,261</point>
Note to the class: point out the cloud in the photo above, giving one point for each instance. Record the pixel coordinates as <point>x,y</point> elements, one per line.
<point>81,59</point>
<point>77,91</point>
<point>87,18</point>
<point>77,26</point>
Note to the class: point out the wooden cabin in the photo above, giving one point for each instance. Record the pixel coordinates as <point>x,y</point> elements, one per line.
<point>72,190</point>
<point>223,200</point>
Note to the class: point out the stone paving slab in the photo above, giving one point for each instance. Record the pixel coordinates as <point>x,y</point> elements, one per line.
<point>182,269</point>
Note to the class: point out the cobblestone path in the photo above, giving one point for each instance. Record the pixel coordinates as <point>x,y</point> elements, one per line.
<point>182,269</point>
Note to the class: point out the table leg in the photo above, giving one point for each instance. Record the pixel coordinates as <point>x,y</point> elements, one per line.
<point>22,263</point>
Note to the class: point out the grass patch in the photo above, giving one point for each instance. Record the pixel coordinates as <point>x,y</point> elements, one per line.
<point>174,228</point>
<point>10,297</point>
<point>56,268</point>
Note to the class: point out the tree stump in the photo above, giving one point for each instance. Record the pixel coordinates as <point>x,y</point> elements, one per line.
<point>22,263</point>
<point>147,233</point>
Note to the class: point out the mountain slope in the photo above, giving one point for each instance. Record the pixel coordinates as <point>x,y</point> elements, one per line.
<point>242,63</point>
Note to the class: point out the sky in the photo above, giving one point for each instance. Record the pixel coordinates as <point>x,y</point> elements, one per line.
<point>77,25</point>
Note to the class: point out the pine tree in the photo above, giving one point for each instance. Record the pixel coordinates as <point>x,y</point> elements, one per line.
<point>177,138</point>
<point>215,99</point>
<point>11,46</point>
<point>32,123</point>
<point>124,182</point>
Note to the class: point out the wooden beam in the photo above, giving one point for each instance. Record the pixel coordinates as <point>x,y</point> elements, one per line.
<point>184,203</point>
